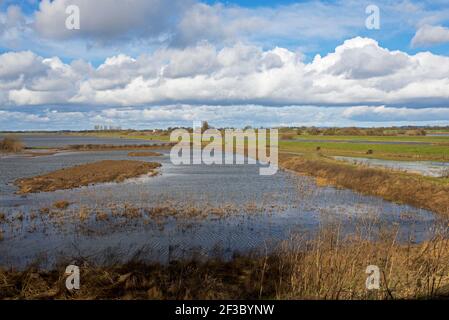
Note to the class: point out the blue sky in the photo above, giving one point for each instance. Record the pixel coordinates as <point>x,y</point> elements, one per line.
<point>149,58</point>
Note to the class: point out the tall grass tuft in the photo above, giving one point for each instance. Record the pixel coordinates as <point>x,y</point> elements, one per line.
<point>11,144</point>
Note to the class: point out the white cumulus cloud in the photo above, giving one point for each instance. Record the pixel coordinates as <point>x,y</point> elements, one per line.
<point>430,35</point>
<point>359,71</point>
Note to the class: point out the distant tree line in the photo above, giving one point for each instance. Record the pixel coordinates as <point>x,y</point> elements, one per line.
<point>353,131</point>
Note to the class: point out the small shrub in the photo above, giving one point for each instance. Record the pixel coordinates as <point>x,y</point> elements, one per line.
<point>83,214</point>
<point>415,132</point>
<point>61,204</point>
<point>11,144</point>
<point>445,173</point>
<point>101,216</point>
<point>313,131</point>
<point>44,210</point>
<point>287,136</point>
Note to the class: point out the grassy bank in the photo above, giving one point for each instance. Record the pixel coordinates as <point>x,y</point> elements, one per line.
<point>415,190</point>
<point>325,267</point>
<point>86,174</point>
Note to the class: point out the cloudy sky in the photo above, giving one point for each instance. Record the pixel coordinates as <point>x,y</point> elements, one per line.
<point>159,63</point>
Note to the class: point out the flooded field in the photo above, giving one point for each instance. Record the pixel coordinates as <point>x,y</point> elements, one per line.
<point>214,210</point>
<point>426,168</point>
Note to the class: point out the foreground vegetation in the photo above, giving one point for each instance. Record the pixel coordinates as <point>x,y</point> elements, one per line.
<point>86,174</point>
<point>325,267</point>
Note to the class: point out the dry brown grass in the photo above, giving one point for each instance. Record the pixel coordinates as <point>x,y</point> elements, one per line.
<point>86,174</point>
<point>393,186</point>
<point>288,136</point>
<point>61,204</point>
<point>101,216</point>
<point>331,269</point>
<point>144,154</point>
<point>328,266</point>
<point>11,144</point>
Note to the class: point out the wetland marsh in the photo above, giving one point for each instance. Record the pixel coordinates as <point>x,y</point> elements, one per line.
<point>183,211</point>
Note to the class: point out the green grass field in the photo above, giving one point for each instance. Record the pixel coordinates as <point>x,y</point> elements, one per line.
<point>425,139</point>
<point>379,151</point>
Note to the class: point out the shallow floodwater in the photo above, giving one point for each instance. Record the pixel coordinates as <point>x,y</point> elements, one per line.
<point>260,212</point>
<point>426,168</point>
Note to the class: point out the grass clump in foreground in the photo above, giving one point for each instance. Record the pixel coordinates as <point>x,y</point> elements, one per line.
<point>62,204</point>
<point>393,186</point>
<point>329,266</point>
<point>86,174</point>
<point>11,144</point>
